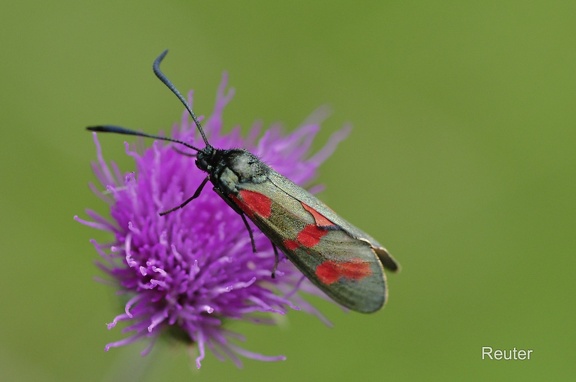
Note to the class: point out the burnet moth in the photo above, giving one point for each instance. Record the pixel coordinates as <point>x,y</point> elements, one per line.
<point>343,261</point>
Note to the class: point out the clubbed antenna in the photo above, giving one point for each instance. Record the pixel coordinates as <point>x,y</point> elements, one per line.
<point>168,83</point>
<point>122,130</point>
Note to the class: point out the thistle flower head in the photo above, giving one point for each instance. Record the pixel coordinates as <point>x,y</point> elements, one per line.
<point>193,269</point>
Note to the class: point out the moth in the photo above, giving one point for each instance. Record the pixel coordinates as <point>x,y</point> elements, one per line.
<point>342,260</point>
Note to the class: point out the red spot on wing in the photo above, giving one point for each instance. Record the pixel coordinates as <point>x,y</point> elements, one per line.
<point>310,235</point>
<point>331,271</point>
<point>238,202</point>
<point>255,203</point>
<point>356,269</point>
<point>320,219</point>
<point>291,244</point>
<point>327,272</point>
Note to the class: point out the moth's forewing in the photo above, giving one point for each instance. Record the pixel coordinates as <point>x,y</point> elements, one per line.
<point>290,188</point>
<point>336,258</point>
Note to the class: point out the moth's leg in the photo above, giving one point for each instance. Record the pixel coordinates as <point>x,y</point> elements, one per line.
<point>196,194</point>
<point>249,231</point>
<point>276,257</point>
<point>242,215</point>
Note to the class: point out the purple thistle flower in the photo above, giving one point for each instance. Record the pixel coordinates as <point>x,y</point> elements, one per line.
<point>194,269</point>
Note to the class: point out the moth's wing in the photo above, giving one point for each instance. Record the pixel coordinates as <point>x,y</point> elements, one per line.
<point>345,267</point>
<point>297,192</point>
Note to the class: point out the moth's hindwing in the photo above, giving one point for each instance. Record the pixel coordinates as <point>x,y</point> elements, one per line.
<point>341,261</point>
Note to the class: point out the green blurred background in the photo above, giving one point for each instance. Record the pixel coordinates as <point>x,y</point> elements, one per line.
<point>461,162</point>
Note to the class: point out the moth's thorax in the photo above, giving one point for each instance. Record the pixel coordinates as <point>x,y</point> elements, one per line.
<point>228,168</point>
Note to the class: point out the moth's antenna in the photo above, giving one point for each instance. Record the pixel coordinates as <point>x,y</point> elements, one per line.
<point>169,85</point>
<point>122,130</point>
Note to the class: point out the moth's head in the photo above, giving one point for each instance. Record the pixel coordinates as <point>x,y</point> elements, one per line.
<point>206,158</point>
